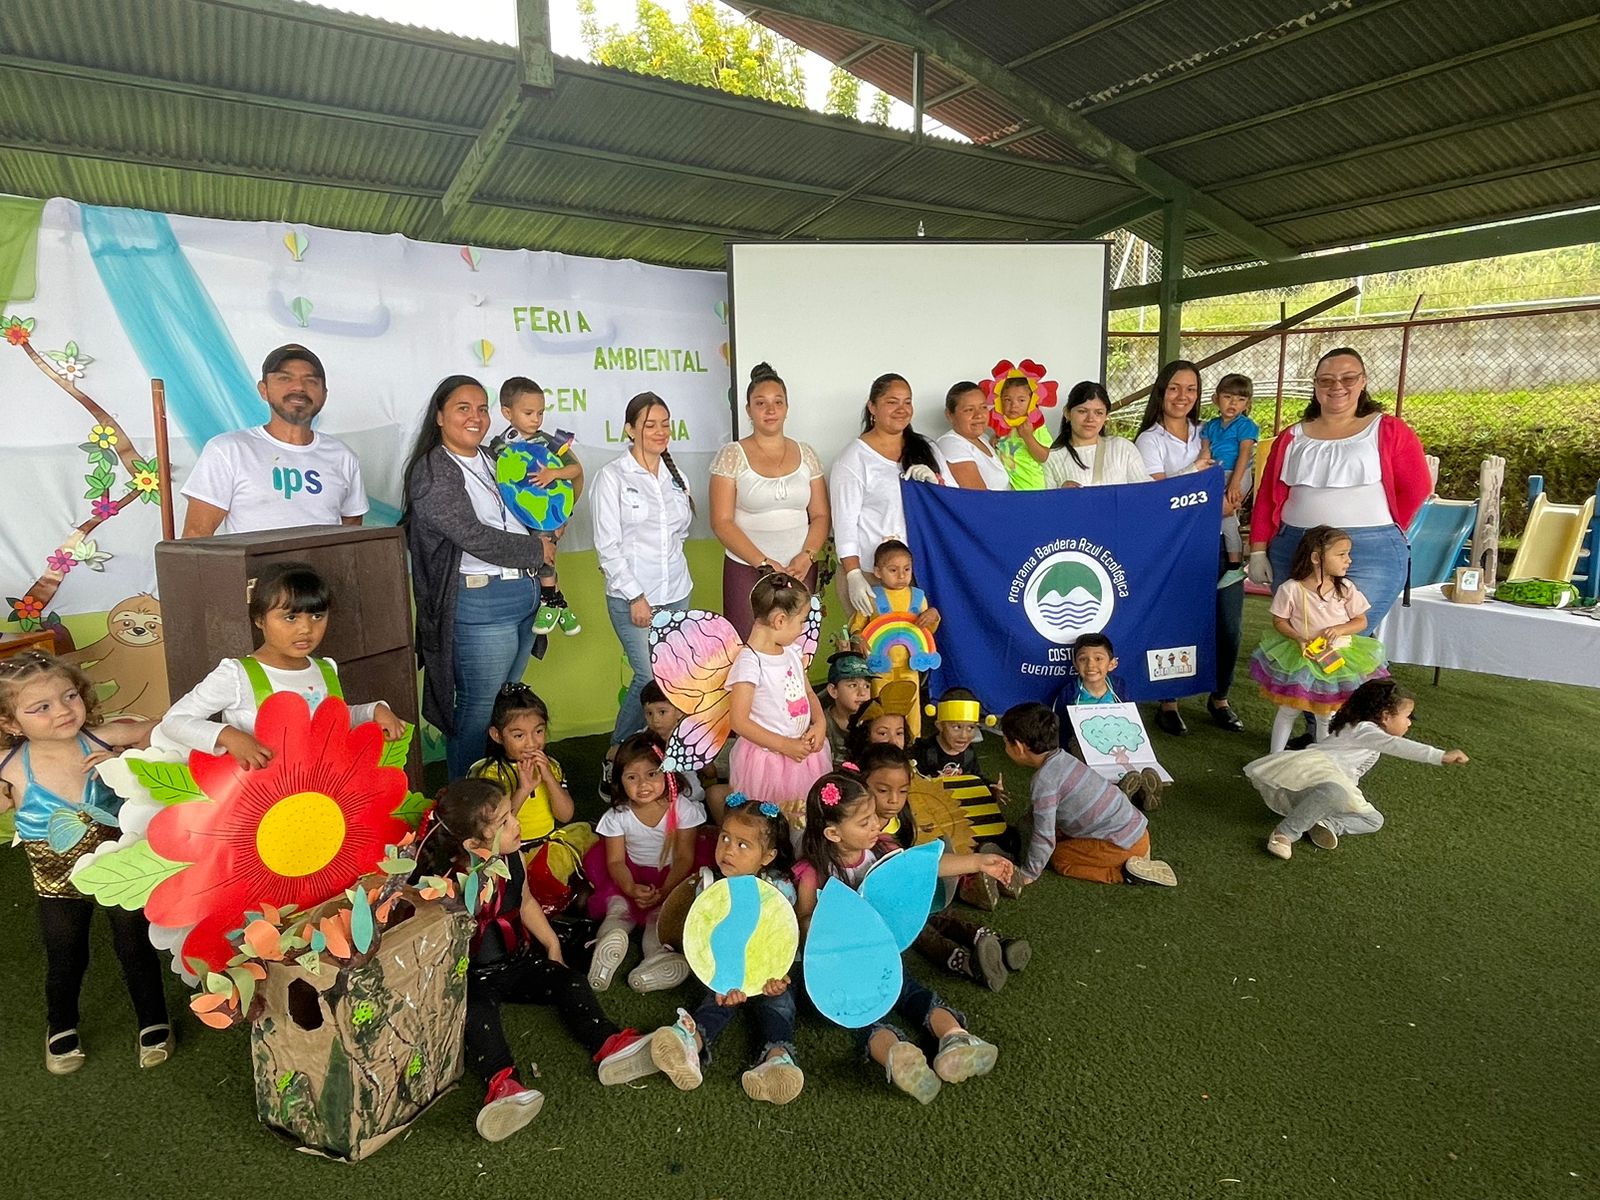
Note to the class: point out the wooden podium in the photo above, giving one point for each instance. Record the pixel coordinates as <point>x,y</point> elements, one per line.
<point>204,584</point>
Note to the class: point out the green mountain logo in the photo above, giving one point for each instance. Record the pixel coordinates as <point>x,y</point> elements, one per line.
<point>1065,578</point>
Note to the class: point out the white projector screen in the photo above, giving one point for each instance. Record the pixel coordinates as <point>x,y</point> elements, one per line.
<point>832,316</point>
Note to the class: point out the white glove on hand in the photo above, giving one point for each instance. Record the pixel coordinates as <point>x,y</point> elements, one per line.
<point>1259,570</point>
<point>922,474</point>
<point>860,592</point>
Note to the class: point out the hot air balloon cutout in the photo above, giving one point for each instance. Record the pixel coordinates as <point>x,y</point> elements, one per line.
<point>515,469</point>
<point>721,309</point>
<point>483,351</point>
<point>853,971</point>
<point>690,654</point>
<point>301,308</point>
<point>471,257</point>
<point>1041,394</point>
<point>295,243</point>
<point>739,934</point>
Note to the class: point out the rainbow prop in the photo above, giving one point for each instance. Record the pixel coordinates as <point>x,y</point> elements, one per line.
<point>883,633</point>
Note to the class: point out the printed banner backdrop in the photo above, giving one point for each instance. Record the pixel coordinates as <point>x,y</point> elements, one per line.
<point>1019,576</point>
<point>117,297</point>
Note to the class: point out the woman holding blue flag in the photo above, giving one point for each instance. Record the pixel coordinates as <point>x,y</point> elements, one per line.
<point>1169,441</point>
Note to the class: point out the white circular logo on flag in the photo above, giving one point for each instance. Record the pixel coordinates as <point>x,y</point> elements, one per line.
<point>1068,595</point>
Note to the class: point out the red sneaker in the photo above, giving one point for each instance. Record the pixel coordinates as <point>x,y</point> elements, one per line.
<point>625,1057</point>
<point>507,1108</point>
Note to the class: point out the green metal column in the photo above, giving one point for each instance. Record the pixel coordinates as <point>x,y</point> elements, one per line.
<point>1171,276</point>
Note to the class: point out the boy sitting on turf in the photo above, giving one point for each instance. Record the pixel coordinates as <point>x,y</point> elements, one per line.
<point>848,689</point>
<point>1083,826</point>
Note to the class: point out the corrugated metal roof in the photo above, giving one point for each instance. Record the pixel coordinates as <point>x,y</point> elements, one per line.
<point>282,111</point>
<point>1323,122</point>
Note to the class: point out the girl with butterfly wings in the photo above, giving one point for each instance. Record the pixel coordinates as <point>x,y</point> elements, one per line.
<point>50,726</point>
<point>759,691</point>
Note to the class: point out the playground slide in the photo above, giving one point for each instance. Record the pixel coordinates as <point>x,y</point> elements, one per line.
<point>1552,540</point>
<point>1438,536</point>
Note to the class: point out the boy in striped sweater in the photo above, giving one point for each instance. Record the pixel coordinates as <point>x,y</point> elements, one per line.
<point>1083,826</point>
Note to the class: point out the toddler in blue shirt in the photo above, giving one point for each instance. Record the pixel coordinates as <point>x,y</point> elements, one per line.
<point>1230,438</point>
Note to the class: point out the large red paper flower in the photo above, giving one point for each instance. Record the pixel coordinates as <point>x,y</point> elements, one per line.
<point>1041,394</point>
<point>294,833</point>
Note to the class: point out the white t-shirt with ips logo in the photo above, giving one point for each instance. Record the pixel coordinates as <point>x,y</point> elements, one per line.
<point>263,483</point>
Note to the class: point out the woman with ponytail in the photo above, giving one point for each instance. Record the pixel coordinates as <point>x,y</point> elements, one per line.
<point>642,511</point>
<point>865,485</point>
<point>769,502</point>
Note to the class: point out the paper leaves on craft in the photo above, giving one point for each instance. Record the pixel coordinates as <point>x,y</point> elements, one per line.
<point>853,972</point>
<point>739,934</point>
<point>690,655</point>
<point>204,843</point>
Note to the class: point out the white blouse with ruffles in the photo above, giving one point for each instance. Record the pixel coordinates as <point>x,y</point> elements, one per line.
<point>1335,481</point>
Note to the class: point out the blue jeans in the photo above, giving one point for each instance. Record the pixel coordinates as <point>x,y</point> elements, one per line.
<point>1379,556</point>
<point>494,637</point>
<point>773,1017</point>
<point>636,646</point>
<point>916,1002</point>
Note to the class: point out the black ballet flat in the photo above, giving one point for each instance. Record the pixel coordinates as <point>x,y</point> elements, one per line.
<point>1169,720</point>
<point>1224,716</point>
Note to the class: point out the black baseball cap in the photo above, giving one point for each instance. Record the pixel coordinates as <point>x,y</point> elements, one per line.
<point>289,353</point>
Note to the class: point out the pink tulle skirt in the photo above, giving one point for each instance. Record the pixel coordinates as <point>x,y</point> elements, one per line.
<point>594,866</point>
<point>766,776</point>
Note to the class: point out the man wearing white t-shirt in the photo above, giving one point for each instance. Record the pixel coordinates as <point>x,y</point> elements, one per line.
<point>283,474</point>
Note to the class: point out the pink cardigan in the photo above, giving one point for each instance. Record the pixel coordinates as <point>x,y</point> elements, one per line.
<point>1406,482</point>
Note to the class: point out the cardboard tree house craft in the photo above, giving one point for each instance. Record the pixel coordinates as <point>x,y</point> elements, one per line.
<point>282,893</point>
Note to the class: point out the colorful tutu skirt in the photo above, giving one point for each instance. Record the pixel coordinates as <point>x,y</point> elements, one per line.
<point>1290,679</point>
<point>767,776</point>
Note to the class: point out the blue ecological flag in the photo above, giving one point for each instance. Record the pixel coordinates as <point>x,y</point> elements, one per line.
<point>1019,576</point>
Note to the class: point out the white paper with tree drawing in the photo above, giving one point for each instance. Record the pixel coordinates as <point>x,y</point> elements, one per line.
<point>1112,739</point>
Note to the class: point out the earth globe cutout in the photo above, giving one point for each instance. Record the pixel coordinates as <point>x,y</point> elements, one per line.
<point>540,508</point>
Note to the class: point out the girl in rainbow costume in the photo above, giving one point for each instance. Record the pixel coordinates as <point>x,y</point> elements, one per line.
<point>898,639</point>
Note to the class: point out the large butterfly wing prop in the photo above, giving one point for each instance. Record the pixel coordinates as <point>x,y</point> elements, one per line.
<point>852,961</point>
<point>690,654</point>
<point>812,633</point>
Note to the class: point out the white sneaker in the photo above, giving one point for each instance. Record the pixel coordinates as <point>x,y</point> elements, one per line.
<point>1280,846</point>
<point>777,1081</point>
<point>675,1054</point>
<point>610,948</point>
<point>659,972</point>
<point>1150,870</point>
<point>1324,838</point>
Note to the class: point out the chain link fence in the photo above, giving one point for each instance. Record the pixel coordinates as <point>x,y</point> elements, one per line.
<point>1524,385</point>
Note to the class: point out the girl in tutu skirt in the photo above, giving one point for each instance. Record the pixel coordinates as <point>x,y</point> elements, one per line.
<point>1316,603</point>
<point>783,746</point>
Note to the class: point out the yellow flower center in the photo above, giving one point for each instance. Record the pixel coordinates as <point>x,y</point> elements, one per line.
<point>300,834</point>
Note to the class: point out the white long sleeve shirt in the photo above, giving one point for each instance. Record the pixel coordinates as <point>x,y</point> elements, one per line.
<point>1357,748</point>
<point>191,724</point>
<point>864,493</point>
<point>640,523</point>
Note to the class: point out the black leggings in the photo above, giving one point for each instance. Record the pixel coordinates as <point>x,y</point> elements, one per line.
<point>529,978</point>
<point>66,950</point>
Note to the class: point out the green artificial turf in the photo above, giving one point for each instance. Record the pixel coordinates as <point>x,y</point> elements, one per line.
<point>1413,1014</point>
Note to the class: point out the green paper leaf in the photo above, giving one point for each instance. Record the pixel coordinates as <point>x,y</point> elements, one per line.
<point>311,961</point>
<point>412,808</point>
<point>220,985</point>
<point>361,927</point>
<point>151,497</point>
<point>394,753</point>
<point>72,350</point>
<point>169,783</point>
<point>397,865</point>
<point>197,967</point>
<point>246,983</point>
<point>126,877</point>
<point>469,891</point>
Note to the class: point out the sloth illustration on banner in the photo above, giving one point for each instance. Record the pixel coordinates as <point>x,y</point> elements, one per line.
<point>1137,562</point>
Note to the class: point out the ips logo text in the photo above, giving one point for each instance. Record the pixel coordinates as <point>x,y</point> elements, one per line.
<point>289,480</point>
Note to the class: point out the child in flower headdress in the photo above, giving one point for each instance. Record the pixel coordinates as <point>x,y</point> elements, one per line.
<point>753,840</point>
<point>1021,440</point>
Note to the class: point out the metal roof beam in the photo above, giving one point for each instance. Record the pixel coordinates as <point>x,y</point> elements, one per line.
<point>1521,237</point>
<point>1378,85</point>
<point>537,76</point>
<point>1087,32</point>
<point>892,21</point>
<point>855,189</point>
<point>1220,59</point>
<point>1414,139</point>
<point>1114,218</point>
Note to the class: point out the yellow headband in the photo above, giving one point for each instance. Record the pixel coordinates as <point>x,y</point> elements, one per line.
<point>959,710</point>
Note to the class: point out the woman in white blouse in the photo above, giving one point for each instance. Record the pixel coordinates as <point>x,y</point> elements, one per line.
<point>973,461</point>
<point>641,511</point>
<point>1169,442</point>
<point>864,487</point>
<point>769,503</point>
<point>1081,456</point>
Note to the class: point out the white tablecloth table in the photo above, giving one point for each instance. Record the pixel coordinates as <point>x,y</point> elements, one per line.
<point>1555,645</point>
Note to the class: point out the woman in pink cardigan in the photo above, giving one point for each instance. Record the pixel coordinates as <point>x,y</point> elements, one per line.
<point>1350,465</point>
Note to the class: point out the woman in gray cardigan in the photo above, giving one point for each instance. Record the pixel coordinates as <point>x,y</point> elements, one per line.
<point>473,569</point>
